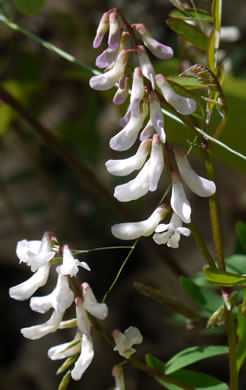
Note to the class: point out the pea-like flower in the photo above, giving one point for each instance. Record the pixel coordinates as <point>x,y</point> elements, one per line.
<point>126,166</point>
<point>199,185</point>
<point>146,65</point>
<point>134,230</point>
<point>118,375</point>
<point>181,104</point>
<point>157,49</point>
<point>170,233</point>
<point>125,341</point>
<point>107,80</point>
<point>156,115</point>
<point>35,253</point>
<point>66,350</point>
<point>114,31</point>
<point>179,201</point>
<point>70,265</point>
<point>101,30</point>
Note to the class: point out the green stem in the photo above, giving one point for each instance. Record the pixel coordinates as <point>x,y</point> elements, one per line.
<point>214,213</point>
<point>201,244</point>
<point>231,335</point>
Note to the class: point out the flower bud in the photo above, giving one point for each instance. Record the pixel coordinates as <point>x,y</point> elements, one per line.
<point>101,30</point>
<point>199,185</point>
<point>146,65</point>
<point>179,201</point>
<point>156,162</point>
<point>181,104</point>
<point>158,49</point>
<point>137,91</point>
<point>114,31</point>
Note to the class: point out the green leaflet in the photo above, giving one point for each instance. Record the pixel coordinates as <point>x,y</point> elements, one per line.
<point>223,278</point>
<point>236,263</point>
<point>191,14</point>
<point>189,32</point>
<point>197,380</point>
<point>29,7</point>
<point>192,355</point>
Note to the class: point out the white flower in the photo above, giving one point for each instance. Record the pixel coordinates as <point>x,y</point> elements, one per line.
<point>87,352</point>
<point>98,310</point>
<point>118,375</point>
<point>156,115</point>
<point>124,342</point>
<point>66,350</point>
<point>158,49</point>
<point>26,289</point>
<point>137,93</point>
<point>121,93</point>
<point>136,188</point>
<point>70,265</point>
<point>179,202</point>
<point>181,104</point>
<point>101,30</point>
<point>107,80</point>
<point>156,162</point>
<point>114,31</point>
<point>128,135</point>
<point>35,253</point>
<point>60,298</point>
<point>199,185</point>
<point>146,66</point>
<point>134,230</point>
<point>170,233</point>
<point>38,331</point>
<point>126,166</point>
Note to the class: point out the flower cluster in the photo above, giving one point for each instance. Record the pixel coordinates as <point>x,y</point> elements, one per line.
<point>144,113</point>
<point>40,256</point>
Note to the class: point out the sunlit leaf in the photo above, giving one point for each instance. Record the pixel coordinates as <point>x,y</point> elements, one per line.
<point>191,14</point>
<point>189,32</point>
<point>188,82</point>
<point>29,7</point>
<point>193,354</point>
<point>223,278</point>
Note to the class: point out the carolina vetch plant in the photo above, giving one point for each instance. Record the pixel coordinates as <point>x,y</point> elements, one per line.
<point>145,104</point>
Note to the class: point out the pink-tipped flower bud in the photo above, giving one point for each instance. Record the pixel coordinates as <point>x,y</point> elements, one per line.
<point>181,104</point>
<point>114,31</point>
<point>158,49</point>
<point>146,65</point>
<point>101,30</point>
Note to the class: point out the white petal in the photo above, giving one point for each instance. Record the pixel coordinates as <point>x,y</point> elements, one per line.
<point>41,304</point>
<point>26,289</point>
<point>121,93</point>
<point>135,188</point>
<point>158,49</point>
<point>156,163</point>
<point>156,115</point>
<point>133,230</point>
<point>98,310</point>
<point>118,374</point>
<point>184,231</point>
<point>133,335</point>
<point>114,31</point>
<point>65,350</point>
<point>146,65</point>
<point>179,202</point>
<point>173,241</point>
<point>196,183</point>
<point>107,80</point>
<point>62,296</point>
<point>181,104</point>
<point>38,331</point>
<point>83,322</point>
<point>106,58</point>
<point>101,30</point>
<point>85,358</point>
<point>161,238</point>
<point>137,91</point>
<point>162,227</point>
<point>70,265</point>
<point>126,166</point>
<point>25,246</point>
<point>128,135</point>
<point>124,342</point>
<point>147,132</point>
